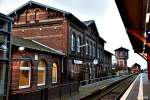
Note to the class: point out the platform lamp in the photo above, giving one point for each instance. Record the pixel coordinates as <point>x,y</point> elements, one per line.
<point>5,58</point>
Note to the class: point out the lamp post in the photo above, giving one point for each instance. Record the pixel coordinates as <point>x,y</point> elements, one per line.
<point>5,52</point>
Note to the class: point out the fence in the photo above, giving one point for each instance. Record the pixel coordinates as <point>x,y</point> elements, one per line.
<point>85,82</point>
<point>57,92</point>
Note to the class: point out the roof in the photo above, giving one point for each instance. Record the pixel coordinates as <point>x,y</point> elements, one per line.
<point>5,17</point>
<point>34,4</point>
<point>34,45</point>
<point>88,22</point>
<point>133,14</point>
<point>105,51</point>
<point>121,49</point>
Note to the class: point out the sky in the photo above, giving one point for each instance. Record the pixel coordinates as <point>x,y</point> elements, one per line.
<point>105,14</point>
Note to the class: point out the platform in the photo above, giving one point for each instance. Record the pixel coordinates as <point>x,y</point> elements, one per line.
<point>139,89</point>
<point>91,88</point>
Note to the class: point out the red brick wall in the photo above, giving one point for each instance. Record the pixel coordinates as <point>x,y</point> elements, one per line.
<point>18,55</point>
<point>50,30</point>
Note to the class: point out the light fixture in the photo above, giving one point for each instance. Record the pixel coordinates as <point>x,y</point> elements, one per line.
<point>36,57</point>
<point>21,48</point>
<point>147,17</point>
<point>3,47</point>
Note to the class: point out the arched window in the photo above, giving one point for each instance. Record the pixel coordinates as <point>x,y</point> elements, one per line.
<point>90,49</point>
<point>41,73</point>
<point>98,53</point>
<point>73,41</point>
<point>78,44</point>
<point>54,73</point>
<point>25,74</point>
<point>93,51</point>
<point>28,16</point>
<point>87,48</point>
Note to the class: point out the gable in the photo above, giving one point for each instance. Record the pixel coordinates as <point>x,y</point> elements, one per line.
<point>33,11</point>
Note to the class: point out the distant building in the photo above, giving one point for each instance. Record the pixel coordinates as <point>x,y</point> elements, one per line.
<point>121,55</point>
<point>136,68</point>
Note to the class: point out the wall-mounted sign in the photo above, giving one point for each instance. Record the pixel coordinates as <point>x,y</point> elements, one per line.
<point>78,62</point>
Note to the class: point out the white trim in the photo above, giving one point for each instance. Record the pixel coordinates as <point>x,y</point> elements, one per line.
<point>125,95</point>
<point>25,86</point>
<point>140,94</point>
<point>48,47</point>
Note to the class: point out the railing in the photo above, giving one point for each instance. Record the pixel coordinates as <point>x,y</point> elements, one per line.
<point>90,81</point>
<point>56,92</point>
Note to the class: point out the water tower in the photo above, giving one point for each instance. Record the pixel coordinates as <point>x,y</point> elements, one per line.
<point>121,55</point>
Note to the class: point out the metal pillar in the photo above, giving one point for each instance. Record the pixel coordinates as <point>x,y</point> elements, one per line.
<point>148,65</point>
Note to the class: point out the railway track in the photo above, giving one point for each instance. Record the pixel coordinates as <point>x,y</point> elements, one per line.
<point>112,92</point>
<point>115,92</point>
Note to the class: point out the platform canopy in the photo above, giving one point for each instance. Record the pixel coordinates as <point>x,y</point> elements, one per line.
<point>133,14</point>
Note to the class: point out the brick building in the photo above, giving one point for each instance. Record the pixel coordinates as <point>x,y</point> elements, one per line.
<point>79,41</point>
<point>33,71</point>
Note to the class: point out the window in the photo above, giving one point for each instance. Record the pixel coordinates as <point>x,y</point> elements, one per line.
<point>90,49</point>
<point>73,42</point>
<point>41,73</point>
<point>27,16</point>
<point>98,53</point>
<point>87,48</point>
<point>78,44</point>
<point>25,74</point>
<point>54,73</point>
<point>93,51</point>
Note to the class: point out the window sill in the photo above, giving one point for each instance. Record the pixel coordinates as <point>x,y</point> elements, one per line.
<point>22,87</point>
<point>41,84</point>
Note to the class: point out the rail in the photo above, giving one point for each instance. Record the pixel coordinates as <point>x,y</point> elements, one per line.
<point>116,91</point>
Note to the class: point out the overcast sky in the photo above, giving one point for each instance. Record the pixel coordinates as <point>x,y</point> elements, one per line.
<point>105,14</point>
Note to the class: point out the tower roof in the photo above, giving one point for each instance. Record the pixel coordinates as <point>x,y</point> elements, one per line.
<point>121,49</point>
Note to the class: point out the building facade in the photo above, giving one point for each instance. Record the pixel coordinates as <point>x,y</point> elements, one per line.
<point>121,55</point>
<point>36,71</point>
<point>79,41</point>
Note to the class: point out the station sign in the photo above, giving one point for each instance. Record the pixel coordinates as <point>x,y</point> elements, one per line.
<point>78,62</point>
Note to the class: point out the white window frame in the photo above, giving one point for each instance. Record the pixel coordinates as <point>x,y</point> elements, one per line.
<point>40,68</point>
<point>29,75</point>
